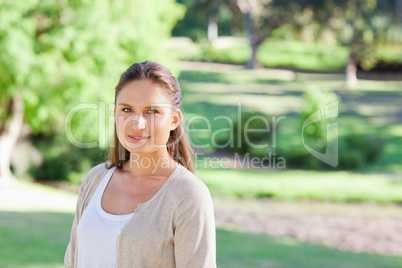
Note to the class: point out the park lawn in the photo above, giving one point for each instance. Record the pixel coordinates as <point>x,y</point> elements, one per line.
<point>35,234</point>
<point>35,223</point>
<point>239,249</point>
<point>34,239</point>
<point>272,53</point>
<point>302,55</point>
<point>213,98</point>
<point>296,54</point>
<point>333,186</point>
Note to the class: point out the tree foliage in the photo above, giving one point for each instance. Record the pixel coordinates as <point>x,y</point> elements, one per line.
<point>59,53</point>
<point>200,12</point>
<point>361,25</point>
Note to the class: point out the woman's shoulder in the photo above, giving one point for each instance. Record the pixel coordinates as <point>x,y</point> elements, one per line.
<point>98,169</point>
<point>95,174</point>
<point>187,184</point>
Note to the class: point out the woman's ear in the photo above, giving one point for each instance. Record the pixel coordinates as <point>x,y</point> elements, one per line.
<point>175,119</point>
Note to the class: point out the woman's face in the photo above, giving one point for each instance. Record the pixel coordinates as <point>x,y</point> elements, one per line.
<point>144,117</point>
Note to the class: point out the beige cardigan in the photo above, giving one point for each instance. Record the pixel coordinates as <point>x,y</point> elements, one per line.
<point>175,228</point>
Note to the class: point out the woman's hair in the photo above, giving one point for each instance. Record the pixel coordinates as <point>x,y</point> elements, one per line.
<point>178,146</point>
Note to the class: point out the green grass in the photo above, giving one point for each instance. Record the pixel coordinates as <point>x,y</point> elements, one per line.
<point>39,239</point>
<point>274,53</point>
<point>301,55</point>
<point>363,110</point>
<point>289,138</point>
<point>35,235</point>
<point>238,250</point>
<point>33,239</point>
<point>339,186</point>
<point>367,109</point>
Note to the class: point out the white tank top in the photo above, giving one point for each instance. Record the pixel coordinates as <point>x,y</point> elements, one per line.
<point>97,231</point>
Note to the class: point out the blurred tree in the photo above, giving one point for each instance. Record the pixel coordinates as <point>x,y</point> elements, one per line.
<point>204,17</point>
<point>198,16</point>
<point>355,14</point>
<point>361,25</point>
<point>56,54</point>
<point>358,24</point>
<point>262,17</point>
<point>398,10</point>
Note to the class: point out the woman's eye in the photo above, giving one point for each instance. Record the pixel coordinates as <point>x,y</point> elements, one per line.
<point>128,110</point>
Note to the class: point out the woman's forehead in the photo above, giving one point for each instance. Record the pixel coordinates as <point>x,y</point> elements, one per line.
<point>142,93</point>
<point>146,105</point>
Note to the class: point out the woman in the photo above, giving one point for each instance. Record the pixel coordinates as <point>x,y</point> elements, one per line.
<point>145,207</point>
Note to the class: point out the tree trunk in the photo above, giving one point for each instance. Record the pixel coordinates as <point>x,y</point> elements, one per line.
<point>351,71</point>
<point>398,10</point>
<point>252,63</point>
<point>9,133</point>
<point>351,68</point>
<point>212,29</point>
<point>247,7</point>
<point>254,43</point>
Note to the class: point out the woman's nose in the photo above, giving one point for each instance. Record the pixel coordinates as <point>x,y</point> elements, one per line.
<point>139,122</point>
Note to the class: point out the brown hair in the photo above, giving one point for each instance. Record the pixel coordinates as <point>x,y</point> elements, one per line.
<point>178,146</point>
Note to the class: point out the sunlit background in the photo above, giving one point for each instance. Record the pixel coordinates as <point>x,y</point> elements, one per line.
<point>321,188</point>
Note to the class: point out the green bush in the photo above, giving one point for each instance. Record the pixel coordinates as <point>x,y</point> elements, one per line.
<point>60,158</point>
<point>350,160</point>
<point>370,146</point>
<point>300,158</point>
<point>358,150</point>
<point>235,55</point>
<point>355,150</point>
<point>316,101</point>
<point>253,121</point>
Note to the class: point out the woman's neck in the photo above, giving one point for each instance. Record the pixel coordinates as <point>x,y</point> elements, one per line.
<point>149,164</point>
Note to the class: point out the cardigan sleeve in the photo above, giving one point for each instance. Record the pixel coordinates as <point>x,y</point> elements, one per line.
<point>194,232</point>
<point>69,257</point>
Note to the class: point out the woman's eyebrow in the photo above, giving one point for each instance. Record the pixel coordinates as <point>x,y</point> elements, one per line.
<point>149,106</point>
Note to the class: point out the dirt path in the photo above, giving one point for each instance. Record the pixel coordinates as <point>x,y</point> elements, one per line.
<point>351,227</point>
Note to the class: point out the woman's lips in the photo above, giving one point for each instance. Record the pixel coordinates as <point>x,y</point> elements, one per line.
<point>137,139</point>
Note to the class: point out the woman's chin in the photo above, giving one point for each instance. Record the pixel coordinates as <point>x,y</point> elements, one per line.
<point>137,149</point>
